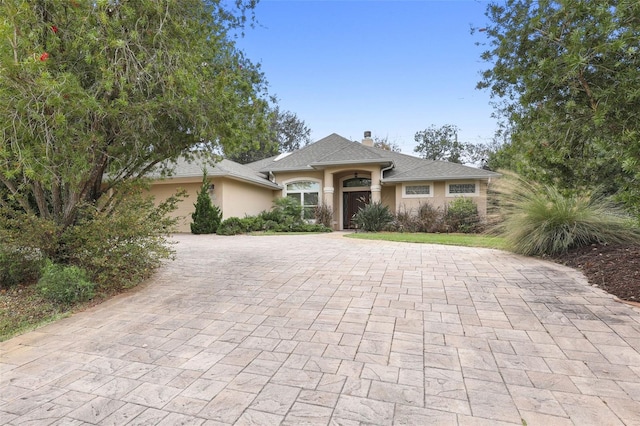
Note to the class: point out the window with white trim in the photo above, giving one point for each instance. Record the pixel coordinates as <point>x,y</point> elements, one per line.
<point>417,190</point>
<point>305,193</point>
<point>462,188</point>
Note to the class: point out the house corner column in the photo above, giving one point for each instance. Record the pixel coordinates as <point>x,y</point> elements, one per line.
<point>328,189</point>
<point>375,193</point>
<point>376,188</point>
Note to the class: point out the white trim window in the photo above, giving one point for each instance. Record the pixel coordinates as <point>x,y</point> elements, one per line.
<point>417,190</point>
<point>463,189</point>
<point>307,194</point>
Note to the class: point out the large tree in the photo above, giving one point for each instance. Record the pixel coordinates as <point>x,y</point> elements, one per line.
<point>285,133</point>
<point>565,74</point>
<point>93,94</point>
<point>441,143</point>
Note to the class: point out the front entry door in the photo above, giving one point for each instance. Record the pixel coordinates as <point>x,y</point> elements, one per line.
<point>352,202</point>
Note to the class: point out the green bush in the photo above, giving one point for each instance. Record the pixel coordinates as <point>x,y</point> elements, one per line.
<point>538,219</point>
<point>462,216</point>
<point>207,217</point>
<point>19,266</point>
<point>119,241</point>
<point>253,223</point>
<point>65,284</point>
<point>285,216</point>
<point>232,226</point>
<point>287,208</point>
<point>271,216</point>
<point>373,217</point>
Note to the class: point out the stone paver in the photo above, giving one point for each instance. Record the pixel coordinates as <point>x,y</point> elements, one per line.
<point>320,329</point>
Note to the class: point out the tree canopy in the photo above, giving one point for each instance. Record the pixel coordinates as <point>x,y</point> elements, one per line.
<point>95,94</point>
<point>564,74</point>
<point>285,133</point>
<point>386,144</point>
<point>441,143</point>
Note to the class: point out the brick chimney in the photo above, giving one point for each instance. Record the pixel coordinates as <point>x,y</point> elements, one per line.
<point>367,141</point>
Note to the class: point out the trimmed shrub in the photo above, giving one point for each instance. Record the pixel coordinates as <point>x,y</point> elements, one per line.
<point>373,217</point>
<point>65,284</point>
<point>271,216</point>
<point>232,226</point>
<point>538,219</point>
<point>462,216</point>
<point>207,216</point>
<point>253,223</point>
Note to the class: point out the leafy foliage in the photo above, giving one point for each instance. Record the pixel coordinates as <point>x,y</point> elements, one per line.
<point>287,209</point>
<point>19,266</point>
<point>118,247</point>
<point>373,217</point>
<point>65,284</point>
<point>462,216</point>
<point>286,133</point>
<point>122,247</point>
<point>564,74</point>
<point>93,96</point>
<point>539,219</point>
<point>285,216</point>
<point>441,143</point>
<point>232,226</point>
<point>207,217</point>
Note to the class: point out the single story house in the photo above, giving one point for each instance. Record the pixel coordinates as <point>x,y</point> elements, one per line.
<point>336,171</point>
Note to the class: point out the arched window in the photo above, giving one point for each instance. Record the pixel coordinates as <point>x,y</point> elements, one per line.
<point>356,182</point>
<point>305,193</point>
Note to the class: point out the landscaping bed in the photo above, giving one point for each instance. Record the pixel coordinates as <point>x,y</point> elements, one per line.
<point>615,269</point>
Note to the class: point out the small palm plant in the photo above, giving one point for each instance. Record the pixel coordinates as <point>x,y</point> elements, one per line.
<point>537,219</point>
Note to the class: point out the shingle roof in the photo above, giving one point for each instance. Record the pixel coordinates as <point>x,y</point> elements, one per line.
<point>335,150</point>
<point>222,168</point>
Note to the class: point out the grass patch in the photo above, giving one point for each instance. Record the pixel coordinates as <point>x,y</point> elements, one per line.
<point>466,240</point>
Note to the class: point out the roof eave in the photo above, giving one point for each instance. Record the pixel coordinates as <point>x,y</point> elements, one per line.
<point>266,184</point>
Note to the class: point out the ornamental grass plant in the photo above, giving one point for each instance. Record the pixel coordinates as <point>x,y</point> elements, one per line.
<point>373,217</point>
<point>537,219</point>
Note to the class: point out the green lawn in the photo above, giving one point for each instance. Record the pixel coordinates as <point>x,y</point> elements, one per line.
<point>467,240</point>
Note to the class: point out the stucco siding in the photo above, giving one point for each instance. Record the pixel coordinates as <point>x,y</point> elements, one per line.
<point>163,190</point>
<point>233,197</point>
<point>241,199</point>
<point>439,197</point>
<point>388,197</point>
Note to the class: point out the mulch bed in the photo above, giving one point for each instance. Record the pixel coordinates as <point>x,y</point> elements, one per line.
<point>615,269</point>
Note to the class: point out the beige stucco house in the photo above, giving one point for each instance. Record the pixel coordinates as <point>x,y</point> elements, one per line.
<point>334,170</point>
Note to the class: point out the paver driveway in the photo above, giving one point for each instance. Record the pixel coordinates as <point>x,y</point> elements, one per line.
<point>322,329</point>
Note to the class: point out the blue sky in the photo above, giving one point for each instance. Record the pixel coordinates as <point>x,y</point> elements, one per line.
<point>392,67</point>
